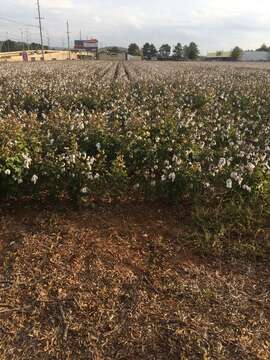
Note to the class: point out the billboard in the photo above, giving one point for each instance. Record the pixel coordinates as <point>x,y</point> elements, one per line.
<point>88,45</point>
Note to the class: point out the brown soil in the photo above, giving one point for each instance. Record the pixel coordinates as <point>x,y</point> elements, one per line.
<point>115,282</point>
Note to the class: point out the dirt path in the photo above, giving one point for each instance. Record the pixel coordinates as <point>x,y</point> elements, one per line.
<point>115,283</point>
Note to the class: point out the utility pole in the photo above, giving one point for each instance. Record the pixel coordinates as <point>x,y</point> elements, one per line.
<point>22,40</point>
<point>27,38</point>
<point>69,57</point>
<point>48,40</point>
<point>40,30</point>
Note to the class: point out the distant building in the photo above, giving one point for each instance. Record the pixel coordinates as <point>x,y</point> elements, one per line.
<point>255,56</point>
<point>246,56</point>
<point>134,57</point>
<point>219,56</point>
<point>113,53</point>
<point>86,45</point>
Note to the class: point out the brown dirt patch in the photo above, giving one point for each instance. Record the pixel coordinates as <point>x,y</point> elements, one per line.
<point>116,283</point>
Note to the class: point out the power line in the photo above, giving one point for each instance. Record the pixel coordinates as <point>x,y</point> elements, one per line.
<point>17,22</point>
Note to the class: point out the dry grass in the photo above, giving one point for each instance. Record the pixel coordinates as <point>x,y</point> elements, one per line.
<point>115,283</point>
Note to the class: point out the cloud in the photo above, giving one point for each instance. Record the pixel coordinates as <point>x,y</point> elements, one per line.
<point>213,24</point>
<point>57,4</point>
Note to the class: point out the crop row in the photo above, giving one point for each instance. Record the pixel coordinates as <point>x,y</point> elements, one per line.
<point>164,130</point>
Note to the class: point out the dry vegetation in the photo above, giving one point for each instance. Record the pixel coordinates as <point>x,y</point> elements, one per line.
<point>134,218</point>
<point>116,282</point>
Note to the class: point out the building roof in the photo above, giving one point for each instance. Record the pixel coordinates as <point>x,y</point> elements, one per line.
<point>219,54</point>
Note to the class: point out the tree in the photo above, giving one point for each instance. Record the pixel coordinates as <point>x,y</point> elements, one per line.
<point>36,46</point>
<point>153,50</point>
<point>113,49</point>
<point>236,53</point>
<point>193,51</point>
<point>149,51</point>
<point>186,52</point>
<point>9,45</point>
<point>263,48</point>
<point>165,50</point>
<point>178,52</point>
<point>134,50</point>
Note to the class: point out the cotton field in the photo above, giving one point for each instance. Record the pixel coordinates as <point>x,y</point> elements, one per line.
<point>152,129</point>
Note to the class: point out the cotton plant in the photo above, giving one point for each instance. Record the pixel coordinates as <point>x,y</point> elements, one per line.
<point>169,129</point>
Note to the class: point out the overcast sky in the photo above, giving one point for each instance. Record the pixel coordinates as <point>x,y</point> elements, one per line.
<point>213,24</point>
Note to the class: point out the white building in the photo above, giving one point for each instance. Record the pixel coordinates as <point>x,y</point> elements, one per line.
<point>255,56</point>
<point>246,56</point>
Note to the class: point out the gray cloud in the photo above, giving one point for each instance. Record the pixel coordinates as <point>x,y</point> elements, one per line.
<point>213,24</point>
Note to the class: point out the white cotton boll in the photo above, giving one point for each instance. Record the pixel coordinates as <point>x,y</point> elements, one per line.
<point>250,167</point>
<point>84,155</point>
<point>73,159</point>
<point>98,146</point>
<point>172,176</point>
<point>234,175</point>
<point>222,162</point>
<point>34,179</point>
<point>84,190</point>
<point>241,154</point>
<point>229,184</point>
<point>27,161</point>
<point>81,126</point>
<point>247,188</point>
<point>8,172</point>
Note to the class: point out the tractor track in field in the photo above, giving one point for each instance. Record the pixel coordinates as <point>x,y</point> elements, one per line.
<point>105,72</point>
<point>127,72</point>
<point>117,71</point>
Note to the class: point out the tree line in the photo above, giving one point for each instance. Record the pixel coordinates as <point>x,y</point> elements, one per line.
<point>10,45</point>
<point>165,52</point>
<point>264,47</point>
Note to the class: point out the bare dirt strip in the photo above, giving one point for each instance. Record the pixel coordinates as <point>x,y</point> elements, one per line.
<point>116,282</point>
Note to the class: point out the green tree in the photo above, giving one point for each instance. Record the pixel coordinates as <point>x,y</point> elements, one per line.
<point>193,51</point>
<point>153,50</point>
<point>236,53</point>
<point>113,49</point>
<point>36,46</point>
<point>9,45</point>
<point>178,52</point>
<point>186,52</point>
<point>147,51</point>
<point>264,47</point>
<point>134,50</point>
<point>165,50</point>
